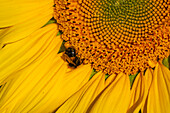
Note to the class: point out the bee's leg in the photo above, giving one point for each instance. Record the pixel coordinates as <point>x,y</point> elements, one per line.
<point>63,57</point>
<point>77,61</point>
<point>72,65</point>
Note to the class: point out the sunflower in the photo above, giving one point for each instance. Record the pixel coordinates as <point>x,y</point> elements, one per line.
<point>115,40</point>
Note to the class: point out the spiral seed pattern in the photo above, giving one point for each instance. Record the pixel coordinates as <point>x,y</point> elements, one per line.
<point>116,35</point>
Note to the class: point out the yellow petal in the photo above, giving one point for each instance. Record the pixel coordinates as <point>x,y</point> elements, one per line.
<point>18,55</point>
<point>139,91</point>
<point>159,94</point>
<point>43,86</point>
<point>20,18</point>
<point>69,84</point>
<point>148,81</point>
<point>80,101</point>
<point>30,81</point>
<point>115,97</point>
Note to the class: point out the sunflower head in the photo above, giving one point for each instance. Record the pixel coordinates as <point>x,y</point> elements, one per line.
<point>116,35</point>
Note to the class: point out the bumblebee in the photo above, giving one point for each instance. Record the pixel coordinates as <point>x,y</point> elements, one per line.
<point>70,56</point>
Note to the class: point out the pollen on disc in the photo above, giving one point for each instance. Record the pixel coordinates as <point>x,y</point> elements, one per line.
<point>116,35</point>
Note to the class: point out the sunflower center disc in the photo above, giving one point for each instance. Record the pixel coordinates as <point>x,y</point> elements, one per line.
<point>116,35</point>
